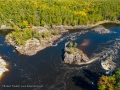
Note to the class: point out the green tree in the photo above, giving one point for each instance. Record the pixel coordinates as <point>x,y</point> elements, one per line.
<point>25,24</point>
<point>75,45</point>
<point>71,44</point>
<point>110,82</point>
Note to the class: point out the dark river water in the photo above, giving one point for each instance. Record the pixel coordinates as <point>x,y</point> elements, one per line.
<point>46,70</point>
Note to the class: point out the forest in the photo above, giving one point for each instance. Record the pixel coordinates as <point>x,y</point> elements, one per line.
<point>57,12</point>
<point>110,82</point>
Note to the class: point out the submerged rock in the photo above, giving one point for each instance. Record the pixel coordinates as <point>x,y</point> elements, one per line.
<point>75,56</point>
<point>85,42</point>
<point>100,29</point>
<point>3,66</point>
<point>108,64</point>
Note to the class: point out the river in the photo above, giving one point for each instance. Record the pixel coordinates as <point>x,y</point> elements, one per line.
<point>47,71</point>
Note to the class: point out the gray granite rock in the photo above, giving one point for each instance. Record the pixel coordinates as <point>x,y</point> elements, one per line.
<point>76,57</point>
<point>100,29</point>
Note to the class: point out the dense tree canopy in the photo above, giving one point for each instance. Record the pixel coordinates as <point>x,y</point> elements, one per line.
<point>20,36</point>
<point>110,82</point>
<point>57,12</point>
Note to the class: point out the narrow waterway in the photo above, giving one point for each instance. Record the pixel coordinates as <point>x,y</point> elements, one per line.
<point>46,70</point>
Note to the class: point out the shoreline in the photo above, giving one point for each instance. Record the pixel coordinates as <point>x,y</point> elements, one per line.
<point>103,22</point>
<point>84,27</point>
<point>36,45</point>
<point>6,28</point>
<point>68,27</point>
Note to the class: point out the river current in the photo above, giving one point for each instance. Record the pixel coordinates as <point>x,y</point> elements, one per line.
<point>47,71</point>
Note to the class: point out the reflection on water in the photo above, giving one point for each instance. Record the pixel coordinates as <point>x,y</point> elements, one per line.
<point>111,25</point>
<point>85,42</point>
<point>5,32</point>
<point>47,69</point>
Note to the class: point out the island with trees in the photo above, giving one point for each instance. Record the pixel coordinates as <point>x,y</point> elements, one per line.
<point>73,55</point>
<point>28,41</point>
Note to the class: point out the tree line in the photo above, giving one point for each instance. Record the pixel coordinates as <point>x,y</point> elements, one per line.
<point>57,12</point>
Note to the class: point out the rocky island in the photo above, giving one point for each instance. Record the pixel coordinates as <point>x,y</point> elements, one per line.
<point>3,66</point>
<point>74,55</point>
<point>29,41</point>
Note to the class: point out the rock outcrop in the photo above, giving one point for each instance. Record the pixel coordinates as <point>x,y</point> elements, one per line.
<point>74,57</point>
<point>3,66</point>
<point>108,64</point>
<point>100,29</point>
<point>40,29</point>
<point>30,48</point>
<point>33,45</point>
<point>65,27</point>
<point>96,28</point>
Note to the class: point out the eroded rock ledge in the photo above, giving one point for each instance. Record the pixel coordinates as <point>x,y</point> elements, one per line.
<point>3,66</point>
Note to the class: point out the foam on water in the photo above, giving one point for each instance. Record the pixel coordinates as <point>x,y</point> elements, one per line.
<point>70,36</point>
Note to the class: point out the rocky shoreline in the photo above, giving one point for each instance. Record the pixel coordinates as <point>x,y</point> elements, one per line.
<point>3,66</point>
<point>101,30</point>
<point>33,45</point>
<point>92,27</point>
<point>4,27</point>
<point>98,28</point>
